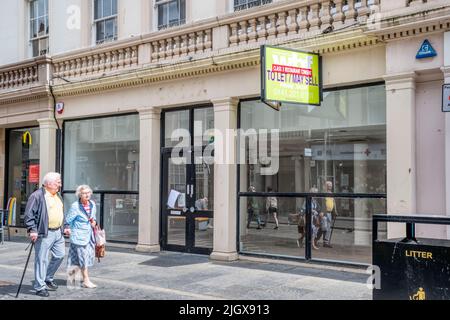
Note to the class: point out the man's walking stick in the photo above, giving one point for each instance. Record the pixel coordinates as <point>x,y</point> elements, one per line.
<point>24,270</point>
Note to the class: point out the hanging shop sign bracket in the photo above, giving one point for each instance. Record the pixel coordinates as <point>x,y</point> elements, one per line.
<point>290,76</point>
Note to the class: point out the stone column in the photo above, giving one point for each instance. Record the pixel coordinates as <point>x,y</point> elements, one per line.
<point>149,173</point>
<point>47,146</point>
<point>225,118</point>
<point>401,164</point>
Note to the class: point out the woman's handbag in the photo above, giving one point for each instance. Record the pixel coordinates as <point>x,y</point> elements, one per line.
<point>100,242</point>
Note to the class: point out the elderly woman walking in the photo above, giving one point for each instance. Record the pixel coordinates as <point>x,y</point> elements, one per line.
<point>81,219</point>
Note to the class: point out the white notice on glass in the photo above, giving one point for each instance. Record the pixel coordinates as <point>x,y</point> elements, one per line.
<point>173,196</point>
<point>182,200</point>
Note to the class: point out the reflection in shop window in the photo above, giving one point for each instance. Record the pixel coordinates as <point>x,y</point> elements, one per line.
<point>103,153</point>
<point>121,217</point>
<point>342,142</point>
<point>23,169</point>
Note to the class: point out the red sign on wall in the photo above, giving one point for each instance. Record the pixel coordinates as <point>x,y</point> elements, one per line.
<point>33,174</point>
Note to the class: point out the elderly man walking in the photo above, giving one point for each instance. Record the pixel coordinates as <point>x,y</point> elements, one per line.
<point>44,219</point>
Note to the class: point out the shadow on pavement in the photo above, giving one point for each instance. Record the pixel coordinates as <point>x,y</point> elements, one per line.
<point>163,260</point>
<point>10,291</point>
<point>298,270</point>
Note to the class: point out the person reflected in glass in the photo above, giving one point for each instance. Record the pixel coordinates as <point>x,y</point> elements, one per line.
<point>315,221</point>
<point>253,209</point>
<point>272,208</point>
<point>202,203</point>
<point>327,217</point>
<point>82,220</point>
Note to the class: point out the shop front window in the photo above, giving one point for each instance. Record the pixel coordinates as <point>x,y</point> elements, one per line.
<point>104,154</point>
<point>23,171</point>
<point>340,144</point>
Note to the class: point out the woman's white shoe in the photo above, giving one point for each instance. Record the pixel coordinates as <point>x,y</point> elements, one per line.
<point>89,285</point>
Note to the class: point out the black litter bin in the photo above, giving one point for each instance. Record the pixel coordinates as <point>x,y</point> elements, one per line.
<point>410,268</point>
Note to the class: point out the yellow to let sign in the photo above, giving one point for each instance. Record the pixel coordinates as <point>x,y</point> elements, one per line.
<point>290,76</point>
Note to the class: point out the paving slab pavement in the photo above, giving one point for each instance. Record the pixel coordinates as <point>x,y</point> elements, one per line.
<point>128,275</point>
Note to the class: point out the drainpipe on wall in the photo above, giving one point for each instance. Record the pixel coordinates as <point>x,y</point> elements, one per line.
<point>58,164</point>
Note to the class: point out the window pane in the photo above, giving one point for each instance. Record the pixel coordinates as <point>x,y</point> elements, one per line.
<point>343,140</point>
<point>162,16</point>
<point>41,8</point>
<point>107,8</point>
<point>182,11</point>
<point>34,28</point>
<point>121,217</point>
<point>109,29</point>
<point>338,147</point>
<point>43,46</point>
<point>35,47</point>
<point>98,9</point>
<point>342,224</point>
<point>114,7</point>
<point>174,12</point>
<point>97,152</point>
<point>345,232</point>
<point>203,126</point>
<point>33,9</point>
<point>246,4</point>
<point>176,123</point>
<point>100,31</point>
<point>41,26</point>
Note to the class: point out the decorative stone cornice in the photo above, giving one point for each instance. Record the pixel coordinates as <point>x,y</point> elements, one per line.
<point>150,58</point>
<point>155,73</point>
<point>47,123</point>
<point>225,104</point>
<point>241,58</point>
<point>399,81</point>
<point>150,113</point>
<point>446,71</point>
<point>24,95</point>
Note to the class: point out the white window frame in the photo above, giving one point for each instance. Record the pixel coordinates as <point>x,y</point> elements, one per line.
<point>165,2</point>
<point>245,6</point>
<point>103,19</point>
<point>38,37</point>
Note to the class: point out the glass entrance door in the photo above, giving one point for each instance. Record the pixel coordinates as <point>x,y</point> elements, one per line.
<point>187,204</point>
<point>188,185</point>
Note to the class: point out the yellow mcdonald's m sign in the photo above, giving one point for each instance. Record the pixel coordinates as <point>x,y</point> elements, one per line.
<point>26,138</point>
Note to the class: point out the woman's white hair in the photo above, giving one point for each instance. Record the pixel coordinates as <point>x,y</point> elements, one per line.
<point>81,188</point>
<point>50,177</point>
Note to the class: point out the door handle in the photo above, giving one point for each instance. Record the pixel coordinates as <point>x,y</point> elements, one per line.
<point>190,190</point>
